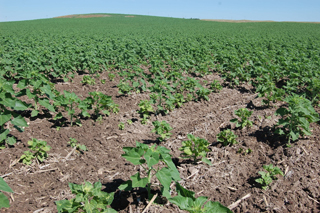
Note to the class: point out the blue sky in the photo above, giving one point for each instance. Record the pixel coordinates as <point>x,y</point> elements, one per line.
<point>276,10</point>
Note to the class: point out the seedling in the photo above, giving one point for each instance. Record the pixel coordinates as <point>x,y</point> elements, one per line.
<point>163,129</point>
<point>227,137</point>
<point>215,86</point>
<point>244,151</point>
<point>145,110</point>
<point>129,121</point>
<point>88,80</point>
<point>267,177</point>
<point>186,200</point>
<point>244,115</point>
<point>148,158</point>
<point>4,201</point>
<point>40,149</point>
<point>195,147</point>
<point>296,118</point>
<point>74,143</point>
<point>203,94</point>
<point>111,76</point>
<point>103,81</point>
<point>121,126</point>
<point>89,198</point>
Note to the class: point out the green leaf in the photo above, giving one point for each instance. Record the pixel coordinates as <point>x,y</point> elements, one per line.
<point>216,207</point>
<point>151,157</point>
<point>4,201</point>
<point>174,172</point>
<point>127,186</point>
<point>11,141</point>
<point>207,161</point>
<point>4,186</point>
<point>164,176</point>
<point>34,113</point>
<point>19,121</point>
<point>137,181</point>
<point>184,192</point>
<point>133,156</point>
<point>19,105</point>
<point>5,117</point>
<point>4,134</point>
<point>45,102</point>
<point>181,202</point>
<point>67,205</point>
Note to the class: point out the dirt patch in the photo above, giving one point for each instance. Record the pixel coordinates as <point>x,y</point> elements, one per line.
<point>230,178</point>
<point>83,16</point>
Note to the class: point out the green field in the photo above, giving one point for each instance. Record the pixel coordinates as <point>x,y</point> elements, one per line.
<point>167,59</point>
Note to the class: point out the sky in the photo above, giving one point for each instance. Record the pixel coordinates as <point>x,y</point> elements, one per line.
<point>275,10</point>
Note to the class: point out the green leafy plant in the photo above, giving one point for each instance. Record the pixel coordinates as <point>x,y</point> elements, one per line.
<point>124,88</point>
<point>244,115</point>
<point>203,93</point>
<point>215,86</point>
<point>121,126</point>
<point>4,187</point>
<point>89,198</point>
<point>88,80</point>
<point>296,118</point>
<point>148,158</point>
<point>186,200</point>
<point>39,148</point>
<point>227,137</point>
<point>163,129</point>
<point>103,81</point>
<point>145,110</point>
<point>111,76</point>
<point>129,121</point>
<point>267,177</point>
<point>69,101</point>
<point>74,143</point>
<point>195,147</point>
<point>100,102</point>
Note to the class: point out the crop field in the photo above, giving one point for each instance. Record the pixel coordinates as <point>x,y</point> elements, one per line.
<point>121,113</point>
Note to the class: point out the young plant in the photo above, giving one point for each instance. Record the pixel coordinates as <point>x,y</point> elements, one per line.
<point>124,88</point>
<point>69,101</point>
<point>100,103</point>
<point>129,121</point>
<point>215,86</point>
<point>227,137</point>
<point>148,158</point>
<point>121,126</point>
<point>163,129</point>
<point>88,80</point>
<point>89,198</point>
<point>203,94</point>
<point>244,115</point>
<point>296,118</point>
<point>74,143</point>
<point>186,200</point>
<point>39,148</point>
<point>145,110</point>
<point>111,76</point>
<point>195,147</point>
<point>4,201</point>
<point>267,177</point>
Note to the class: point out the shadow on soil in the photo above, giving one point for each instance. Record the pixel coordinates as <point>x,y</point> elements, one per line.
<point>137,196</point>
<point>267,136</point>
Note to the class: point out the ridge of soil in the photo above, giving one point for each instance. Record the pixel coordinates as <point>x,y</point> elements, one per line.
<point>230,178</point>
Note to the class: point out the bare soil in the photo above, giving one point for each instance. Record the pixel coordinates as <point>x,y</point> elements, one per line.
<point>231,177</point>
